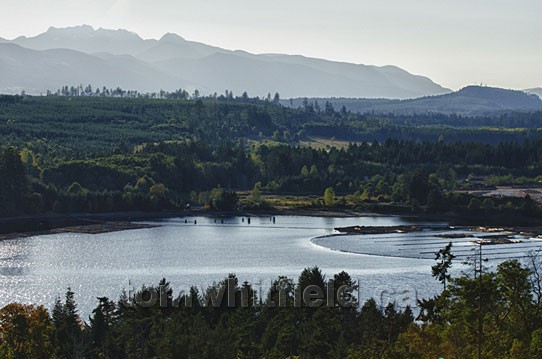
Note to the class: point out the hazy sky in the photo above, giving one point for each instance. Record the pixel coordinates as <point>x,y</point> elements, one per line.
<point>454,42</point>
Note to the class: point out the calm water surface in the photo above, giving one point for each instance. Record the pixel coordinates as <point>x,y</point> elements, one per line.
<point>40,268</point>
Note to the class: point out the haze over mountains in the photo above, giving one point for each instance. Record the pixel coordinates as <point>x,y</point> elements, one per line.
<point>82,55</point>
<point>469,101</point>
<point>535,91</point>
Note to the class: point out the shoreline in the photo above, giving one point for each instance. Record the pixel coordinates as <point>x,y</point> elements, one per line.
<point>95,223</point>
<point>97,228</point>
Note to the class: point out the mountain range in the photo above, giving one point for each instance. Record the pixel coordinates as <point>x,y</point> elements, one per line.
<point>83,55</point>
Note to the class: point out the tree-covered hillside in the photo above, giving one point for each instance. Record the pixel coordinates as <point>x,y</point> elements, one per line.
<point>75,126</point>
<point>98,154</point>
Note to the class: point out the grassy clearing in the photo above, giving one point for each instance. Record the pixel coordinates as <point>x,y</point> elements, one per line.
<point>324,143</point>
<point>285,201</point>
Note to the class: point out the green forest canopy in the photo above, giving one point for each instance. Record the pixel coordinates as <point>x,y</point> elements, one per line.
<point>96,154</point>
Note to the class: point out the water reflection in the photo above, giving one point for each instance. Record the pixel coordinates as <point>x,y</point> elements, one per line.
<point>40,268</point>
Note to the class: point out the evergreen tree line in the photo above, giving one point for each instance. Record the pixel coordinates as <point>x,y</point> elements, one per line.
<point>86,126</point>
<point>494,314</point>
<point>169,175</point>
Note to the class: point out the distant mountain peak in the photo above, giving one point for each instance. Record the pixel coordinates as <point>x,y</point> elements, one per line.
<point>79,29</point>
<point>87,31</point>
<point>119,33</point>
<point>171,38</point>
<point>482,88</point>
<point>497,94</point>
<point>86,39</point>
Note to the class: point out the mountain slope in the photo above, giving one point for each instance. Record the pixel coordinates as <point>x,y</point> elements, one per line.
<point>535,91</point>
<point>212,69</point>
<point>390,79</point>
<point>239,72</point>
<point>36,71</point>
<point>172,46</point>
